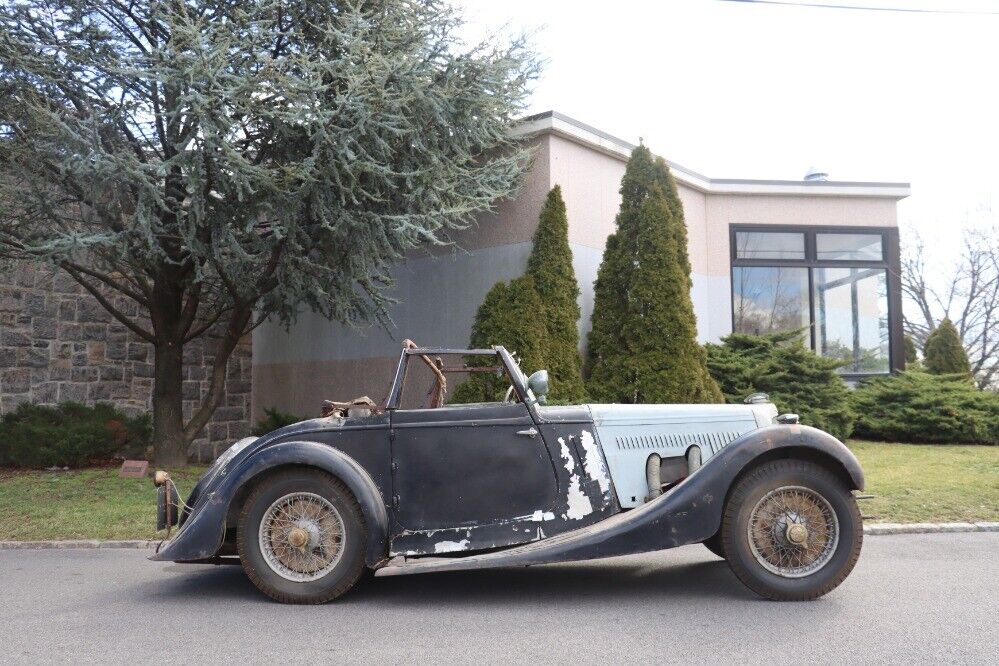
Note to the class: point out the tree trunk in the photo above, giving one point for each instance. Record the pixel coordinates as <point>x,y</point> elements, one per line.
<point>169,442</point>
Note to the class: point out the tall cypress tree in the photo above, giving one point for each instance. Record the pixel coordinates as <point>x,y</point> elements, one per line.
<point>550,267</point>
<point>643,343</point>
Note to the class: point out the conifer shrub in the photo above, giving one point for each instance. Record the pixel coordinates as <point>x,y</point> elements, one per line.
<point>510,315</point>
<point>273,419</point>
<point>70,435</point>
<point>550,268</point>
<point>643,342</point>
<point>796,379</point>
<point>919,406</point>
<point>944,352</point>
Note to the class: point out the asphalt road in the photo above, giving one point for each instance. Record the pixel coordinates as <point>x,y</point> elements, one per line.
<point>912,599</point>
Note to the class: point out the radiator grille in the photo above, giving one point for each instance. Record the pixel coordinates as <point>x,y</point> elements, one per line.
<point>713,441</point>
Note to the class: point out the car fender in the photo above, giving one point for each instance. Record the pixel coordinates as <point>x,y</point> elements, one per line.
<point>202,534</point>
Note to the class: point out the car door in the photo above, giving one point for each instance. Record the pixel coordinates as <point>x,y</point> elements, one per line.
<point>477,467</point>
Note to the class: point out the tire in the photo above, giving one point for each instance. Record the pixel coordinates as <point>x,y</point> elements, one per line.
<point>772,497</point>
<point>714,544</point>
<point>328,563</point>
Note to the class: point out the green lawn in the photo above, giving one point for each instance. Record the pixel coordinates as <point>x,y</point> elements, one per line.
<point>912,483</point>
<point>915,483</point>
<point>84,504</point>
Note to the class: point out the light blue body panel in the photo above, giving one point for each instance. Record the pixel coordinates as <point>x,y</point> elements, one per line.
<point>629,434</point>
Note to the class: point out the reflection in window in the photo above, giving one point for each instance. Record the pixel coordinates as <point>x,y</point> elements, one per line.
<point>848,247</point>
<point>851,311</point>
<point>770,299</point>
<point>769,245</point>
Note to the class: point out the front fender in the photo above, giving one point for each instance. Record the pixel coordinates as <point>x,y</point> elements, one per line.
<point>692,511</point>
<point>203,532</point>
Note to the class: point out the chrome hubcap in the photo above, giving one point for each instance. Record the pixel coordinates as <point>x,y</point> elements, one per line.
<point>302,537</point>
<point>793,531</point>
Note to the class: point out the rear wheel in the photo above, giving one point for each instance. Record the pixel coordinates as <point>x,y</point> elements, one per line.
<point>791,531</point>
<point>301,537</point>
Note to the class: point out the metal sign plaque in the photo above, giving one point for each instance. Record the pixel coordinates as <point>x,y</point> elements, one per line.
<point>134,469</point>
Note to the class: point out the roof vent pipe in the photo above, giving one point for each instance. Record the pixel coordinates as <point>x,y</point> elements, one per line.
<point>815,173</point>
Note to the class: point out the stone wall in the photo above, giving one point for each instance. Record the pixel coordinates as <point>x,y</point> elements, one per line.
<point>57,343</point>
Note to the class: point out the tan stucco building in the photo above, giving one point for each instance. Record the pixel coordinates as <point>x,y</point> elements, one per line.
<point>766,255</point>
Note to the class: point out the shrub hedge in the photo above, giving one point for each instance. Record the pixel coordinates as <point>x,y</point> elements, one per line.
<point>70,435</point>
<point>796,379</point>
<point>921,407</point>
<point>274,419</point>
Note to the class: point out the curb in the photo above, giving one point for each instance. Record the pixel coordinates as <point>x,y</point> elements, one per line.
<point>929,528</point>
<point>873,529</point>
<point>76,544</point>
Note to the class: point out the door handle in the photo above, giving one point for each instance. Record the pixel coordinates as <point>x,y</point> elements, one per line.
<point>530,432</point>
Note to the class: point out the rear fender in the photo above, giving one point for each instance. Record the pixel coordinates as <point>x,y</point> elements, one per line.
<point>203,532</point>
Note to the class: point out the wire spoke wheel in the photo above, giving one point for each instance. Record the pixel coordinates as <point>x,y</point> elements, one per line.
<point>302,537</point>
<point>793,531</point>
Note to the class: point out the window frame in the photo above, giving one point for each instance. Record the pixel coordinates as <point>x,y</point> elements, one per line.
<point>889,262</point>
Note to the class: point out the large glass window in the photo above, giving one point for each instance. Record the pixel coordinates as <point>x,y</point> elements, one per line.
<point>830,283</point>
<point>851,247</point>
<point>769,245</point>
<point>851,313</point>
<point>768,299</point>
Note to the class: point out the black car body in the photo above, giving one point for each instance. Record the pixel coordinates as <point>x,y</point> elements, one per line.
<point>504,483</point>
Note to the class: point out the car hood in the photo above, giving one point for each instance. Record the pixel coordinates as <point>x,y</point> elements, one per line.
<point>620,415</point>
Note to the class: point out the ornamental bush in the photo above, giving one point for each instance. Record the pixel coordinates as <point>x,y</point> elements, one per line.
<point>510,315</point>
<point>69,435</point>
<point>643,345</point>
<point>273,419</point>
<point>796,379</point>
<point>550,267</point>
<point>922,407</point>
<point>944,351</point>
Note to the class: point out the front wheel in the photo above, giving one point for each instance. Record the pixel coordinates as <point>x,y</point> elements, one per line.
<point>301,537</point>
<point>791,530</point>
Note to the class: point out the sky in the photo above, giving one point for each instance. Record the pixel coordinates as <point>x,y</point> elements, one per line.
<point>740,90</point>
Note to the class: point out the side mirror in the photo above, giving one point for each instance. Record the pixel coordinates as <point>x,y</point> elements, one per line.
<point>538,385</point>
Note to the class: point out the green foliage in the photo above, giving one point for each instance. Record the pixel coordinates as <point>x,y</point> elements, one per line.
<point>910,351</point>
<point>210,163</point>
<point>510,315</point>
<point>944,352</point>
<point>796,379</point>
<point>274,419</point>
<point>643,343</point>
<point>69,434</point>
<point>923,407</point>
<point>550,267</point>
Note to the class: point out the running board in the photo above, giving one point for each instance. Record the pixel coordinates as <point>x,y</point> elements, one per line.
<point>685,514</point>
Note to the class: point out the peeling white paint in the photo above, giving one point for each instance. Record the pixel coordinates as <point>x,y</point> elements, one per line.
<point>540,515</point>
<point>593,462</point>
<point>570,464</point>
<point>579,503</point>
<point>450,546</point>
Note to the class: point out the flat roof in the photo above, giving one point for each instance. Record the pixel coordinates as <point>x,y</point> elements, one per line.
<point>553,122</point>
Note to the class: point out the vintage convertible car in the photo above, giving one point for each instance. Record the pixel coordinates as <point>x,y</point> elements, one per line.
<point>423,486</point>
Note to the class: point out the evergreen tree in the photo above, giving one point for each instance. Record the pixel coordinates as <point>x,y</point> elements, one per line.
<point>910,351</point>
<point>944,353</point>
<point>510,315</point>
<point>550,267</point>
<point>643,343</point>
<point>200,166</point>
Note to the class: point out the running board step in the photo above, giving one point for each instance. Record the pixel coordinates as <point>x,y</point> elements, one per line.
<point>685,514</point>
